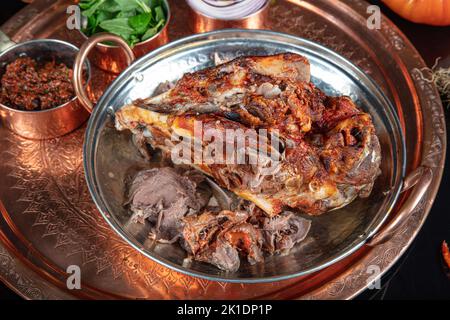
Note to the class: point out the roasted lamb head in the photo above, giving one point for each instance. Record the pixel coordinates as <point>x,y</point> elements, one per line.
<point>321,152</point>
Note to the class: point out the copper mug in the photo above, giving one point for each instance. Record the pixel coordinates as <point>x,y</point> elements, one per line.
<point>111,58</point>
<point>81,58</point>
<point>49,123</point>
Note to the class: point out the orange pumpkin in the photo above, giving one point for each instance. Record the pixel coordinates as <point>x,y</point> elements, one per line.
<point>434,12</point>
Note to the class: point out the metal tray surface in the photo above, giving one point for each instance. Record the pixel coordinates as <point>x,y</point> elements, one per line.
<point>48,220</point>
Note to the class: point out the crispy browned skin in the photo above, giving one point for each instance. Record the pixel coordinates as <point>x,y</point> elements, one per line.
<point>220,89</point>
<point>330,152</point>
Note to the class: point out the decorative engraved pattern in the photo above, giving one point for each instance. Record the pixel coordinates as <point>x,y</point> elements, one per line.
<point>436,148</point>
<point>22,283</point>
<point>46,195</point>
<point>295,20</point>
<point>49,183</point>
<point>382,256</point>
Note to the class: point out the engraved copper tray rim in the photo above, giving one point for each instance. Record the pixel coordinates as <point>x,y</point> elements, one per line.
<point>22,275</point>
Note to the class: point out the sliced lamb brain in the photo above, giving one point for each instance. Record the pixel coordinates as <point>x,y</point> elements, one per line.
<point>164,196</point>
<point>330,152</point>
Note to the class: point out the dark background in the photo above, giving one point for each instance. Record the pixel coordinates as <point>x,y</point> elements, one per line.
<point>419,274</point>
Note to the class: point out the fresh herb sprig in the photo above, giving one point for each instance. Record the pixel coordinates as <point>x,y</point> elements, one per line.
<point>133,20</point>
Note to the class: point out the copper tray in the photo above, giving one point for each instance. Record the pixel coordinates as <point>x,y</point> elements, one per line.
<point>49,222</point>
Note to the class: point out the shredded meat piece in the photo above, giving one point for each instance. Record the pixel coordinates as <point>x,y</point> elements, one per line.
<point>27,85</point>
<point>199,231</point>
<point>171,200</point>
<point>220,238</point>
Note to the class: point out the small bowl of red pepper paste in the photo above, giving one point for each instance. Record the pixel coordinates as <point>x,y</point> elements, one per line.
<point>37,98</point>
<point>31,86</point>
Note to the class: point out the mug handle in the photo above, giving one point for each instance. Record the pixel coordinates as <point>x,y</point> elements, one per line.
<point>420,179</point>
<point>87,46</point>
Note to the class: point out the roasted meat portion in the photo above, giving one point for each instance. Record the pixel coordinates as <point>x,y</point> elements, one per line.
<point>220,238</point>
<point>174,201</point>
<point>215,90</point>
<point>322,152</point>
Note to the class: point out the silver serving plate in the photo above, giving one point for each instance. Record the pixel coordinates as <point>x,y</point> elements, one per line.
<point>110,156</point>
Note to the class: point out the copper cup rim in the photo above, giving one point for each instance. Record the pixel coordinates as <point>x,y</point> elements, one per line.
<point>139,44</point>
<point>264,7</point>
<point>60,106</point>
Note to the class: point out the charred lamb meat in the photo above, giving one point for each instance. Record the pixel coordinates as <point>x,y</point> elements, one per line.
<point>221,238</point>
<point>329,153</point>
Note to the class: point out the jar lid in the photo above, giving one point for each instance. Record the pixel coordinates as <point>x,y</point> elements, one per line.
<point>227,9</point>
